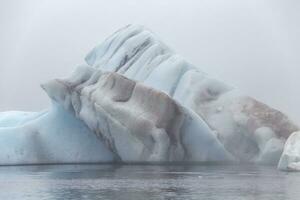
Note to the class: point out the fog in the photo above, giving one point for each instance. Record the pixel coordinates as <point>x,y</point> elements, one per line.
<point>253,45</point>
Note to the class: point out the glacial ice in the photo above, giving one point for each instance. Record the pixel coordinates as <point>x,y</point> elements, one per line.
<point>136,100</point>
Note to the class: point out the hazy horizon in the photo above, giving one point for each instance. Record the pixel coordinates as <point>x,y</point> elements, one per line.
<point>253,46</point>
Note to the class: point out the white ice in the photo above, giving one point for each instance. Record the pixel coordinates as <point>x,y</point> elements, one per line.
<point>290,158</point>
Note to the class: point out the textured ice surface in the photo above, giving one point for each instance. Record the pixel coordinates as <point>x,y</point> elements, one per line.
<point>136,100</point>
<point>136,122</point>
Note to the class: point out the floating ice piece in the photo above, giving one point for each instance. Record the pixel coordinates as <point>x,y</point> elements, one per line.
<point>290,158</point>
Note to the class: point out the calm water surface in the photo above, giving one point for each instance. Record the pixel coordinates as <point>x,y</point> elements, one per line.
<point>147,182</point>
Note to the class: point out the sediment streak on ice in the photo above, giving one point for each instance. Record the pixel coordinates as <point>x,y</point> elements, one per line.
<point>136,122</point>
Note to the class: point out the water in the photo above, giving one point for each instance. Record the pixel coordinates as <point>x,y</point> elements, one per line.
<point>147,182</point>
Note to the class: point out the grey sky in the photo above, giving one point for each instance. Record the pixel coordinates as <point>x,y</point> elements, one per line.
<point>253,45</point>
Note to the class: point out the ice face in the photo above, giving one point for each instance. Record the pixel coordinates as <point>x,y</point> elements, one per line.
<point>138,101</point>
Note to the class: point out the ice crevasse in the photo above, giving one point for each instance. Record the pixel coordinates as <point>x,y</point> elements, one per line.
<point>136,100</point>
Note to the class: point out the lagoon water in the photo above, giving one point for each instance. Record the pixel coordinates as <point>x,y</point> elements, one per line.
<point>145,182</point>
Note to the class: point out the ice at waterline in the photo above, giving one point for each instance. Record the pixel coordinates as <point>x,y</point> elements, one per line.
<point>136,100</point>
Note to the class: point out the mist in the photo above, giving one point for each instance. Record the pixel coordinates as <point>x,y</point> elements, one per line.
<point>252,45</point>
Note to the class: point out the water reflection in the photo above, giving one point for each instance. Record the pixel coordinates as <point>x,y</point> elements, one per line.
<point>147,182</point>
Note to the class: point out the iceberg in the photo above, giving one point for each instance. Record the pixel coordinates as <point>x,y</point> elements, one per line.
<point>136,100</point>
<point>290,158</point>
